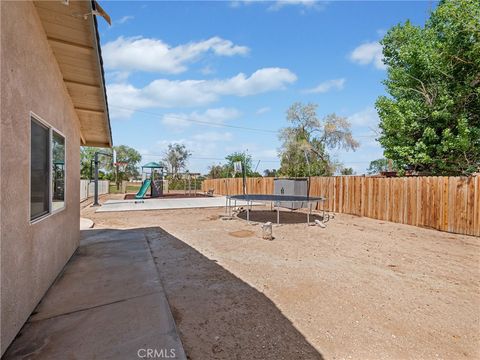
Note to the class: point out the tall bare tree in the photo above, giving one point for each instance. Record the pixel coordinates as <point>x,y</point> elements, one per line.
<point>176,158</point>
<point>304,144</point>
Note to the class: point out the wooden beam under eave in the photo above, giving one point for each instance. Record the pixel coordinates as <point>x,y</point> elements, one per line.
<point>97,144</point>
<point>74,82</point>
<point>82,138</point>
<point>79,47</point>
<point>90,111</point>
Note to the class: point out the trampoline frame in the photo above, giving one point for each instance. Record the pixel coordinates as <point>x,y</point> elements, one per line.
<point>274,203</point>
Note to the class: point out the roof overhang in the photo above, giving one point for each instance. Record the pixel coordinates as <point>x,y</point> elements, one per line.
<point>71,29</point>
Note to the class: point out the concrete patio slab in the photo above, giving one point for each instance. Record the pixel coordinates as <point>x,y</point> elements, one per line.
<point>120,330</point>
<point>107,304</point>
<point>164,204</point>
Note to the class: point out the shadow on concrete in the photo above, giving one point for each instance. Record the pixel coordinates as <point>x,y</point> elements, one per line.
<point>218,315</point>
<point>286,217</point>
<point>111,300</point>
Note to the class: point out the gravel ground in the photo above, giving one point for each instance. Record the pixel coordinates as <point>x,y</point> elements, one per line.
<point>359,289</point>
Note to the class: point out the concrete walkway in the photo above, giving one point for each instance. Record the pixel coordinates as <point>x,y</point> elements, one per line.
<point>107,304</point>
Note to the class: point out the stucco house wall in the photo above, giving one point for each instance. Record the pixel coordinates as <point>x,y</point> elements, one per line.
<point>32,255</point>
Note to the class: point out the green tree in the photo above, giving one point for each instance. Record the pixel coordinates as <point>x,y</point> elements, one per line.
<point>346,171</point>
<point>431,120</point>
<point>377,166</point>
<point>86,158</point>
<point>304,144</point>
<point>176,158</point>
<point>216,171</point>
<point>270,173</point>
<point>87,155</point>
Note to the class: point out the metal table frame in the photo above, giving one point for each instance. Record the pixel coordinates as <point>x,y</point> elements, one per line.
<point>274,203</point>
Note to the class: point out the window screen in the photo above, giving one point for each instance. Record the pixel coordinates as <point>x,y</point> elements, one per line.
<point>39,170</point>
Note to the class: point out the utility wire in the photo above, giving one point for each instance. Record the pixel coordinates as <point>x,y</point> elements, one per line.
<point>255,159</point>
<point>208,123</point>
<point>200,122</point>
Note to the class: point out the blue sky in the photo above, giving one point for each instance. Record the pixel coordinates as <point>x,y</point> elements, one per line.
<point>173,68</point>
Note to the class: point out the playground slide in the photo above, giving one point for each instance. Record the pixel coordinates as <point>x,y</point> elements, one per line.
<point>143,190</point>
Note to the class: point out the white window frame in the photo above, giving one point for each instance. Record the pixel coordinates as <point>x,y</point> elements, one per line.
<point>50,140</point>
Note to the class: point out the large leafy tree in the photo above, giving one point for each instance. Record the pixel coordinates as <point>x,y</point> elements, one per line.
<point>305,143</point>
<point>176,157</point>
<point>431,120</point>
<point>86,158</point>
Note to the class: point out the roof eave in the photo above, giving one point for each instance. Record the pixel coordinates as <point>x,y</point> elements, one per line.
<point>98,51</point>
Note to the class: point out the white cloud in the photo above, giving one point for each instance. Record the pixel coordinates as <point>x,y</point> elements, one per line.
<point>335,84</point>
<point>179,121</point>
<point>203,144</point>
<point>262,110</point>
<point>207,70</point>
<point>309,4</point>
<point>368,53</point>
<point>153,55</point>
<point>367,117</point>
<point>268,153</point>
<point>117,76</point>
<point>211,136</point>
<point>124,19</point>
<point>279,4</point>
<point>165,93</point>
<point>365,128</point>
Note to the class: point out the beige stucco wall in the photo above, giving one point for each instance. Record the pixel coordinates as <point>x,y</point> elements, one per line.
<point>32,255</point>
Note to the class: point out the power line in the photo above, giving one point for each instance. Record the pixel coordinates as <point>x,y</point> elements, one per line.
<point>206,158</point>
<point>254,159</point>
<point>200,122</point>
<point>208,123</point>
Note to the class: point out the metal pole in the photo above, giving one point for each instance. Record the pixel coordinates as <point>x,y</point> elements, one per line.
<point>278,215</point>
<point>95,196</point>
<point>308,213</point>
<point>96,162</point>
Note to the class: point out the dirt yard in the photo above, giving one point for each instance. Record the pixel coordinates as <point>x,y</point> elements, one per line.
<point>358,289</point>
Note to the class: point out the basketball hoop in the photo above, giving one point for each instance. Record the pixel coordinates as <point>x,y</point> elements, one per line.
<point>120,165</point>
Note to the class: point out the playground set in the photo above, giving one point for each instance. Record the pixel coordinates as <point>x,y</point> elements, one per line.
<point>153,176</point>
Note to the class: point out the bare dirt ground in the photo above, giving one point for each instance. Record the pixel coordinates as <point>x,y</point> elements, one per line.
<point>359,289</point>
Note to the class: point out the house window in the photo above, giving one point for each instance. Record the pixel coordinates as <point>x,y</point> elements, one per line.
<point>39,170</point>
<point>47,170</point>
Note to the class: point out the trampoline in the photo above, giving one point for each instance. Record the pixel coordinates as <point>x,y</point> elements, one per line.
<point>275,201</point>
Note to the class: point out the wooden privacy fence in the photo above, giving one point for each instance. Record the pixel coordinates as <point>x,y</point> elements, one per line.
<point>444,203</point>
